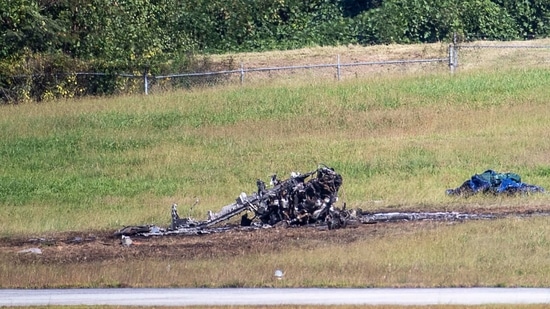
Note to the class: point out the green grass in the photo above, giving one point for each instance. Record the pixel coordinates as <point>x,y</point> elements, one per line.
<point>103,163</point>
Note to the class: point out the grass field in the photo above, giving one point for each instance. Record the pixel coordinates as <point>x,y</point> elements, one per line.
<point>399,141</point>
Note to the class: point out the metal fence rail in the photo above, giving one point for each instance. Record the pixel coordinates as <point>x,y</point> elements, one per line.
<point>502,46</point>
<point>451,59</point>
<point>242,71</point>
<point>338,66</point>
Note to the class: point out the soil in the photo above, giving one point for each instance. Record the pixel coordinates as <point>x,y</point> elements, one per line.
<point>89,246</point>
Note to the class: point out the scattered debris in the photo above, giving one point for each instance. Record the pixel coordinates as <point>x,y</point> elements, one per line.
<point>310,199</point>
<point>126,241</point>
<point>353,219</point>
<point>422,216</point>
<point>75,240</point>
<point>491,182</point>
<point>31,250</point>
<point>135,230</point>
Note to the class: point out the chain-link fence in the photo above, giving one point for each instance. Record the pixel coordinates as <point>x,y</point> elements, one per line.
<point>456,57</point>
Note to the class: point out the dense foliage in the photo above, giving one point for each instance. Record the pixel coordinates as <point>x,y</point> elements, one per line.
<point>45,37</point>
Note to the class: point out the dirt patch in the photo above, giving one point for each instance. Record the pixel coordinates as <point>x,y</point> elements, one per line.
<point>93,246</point>
<point>74,247</point>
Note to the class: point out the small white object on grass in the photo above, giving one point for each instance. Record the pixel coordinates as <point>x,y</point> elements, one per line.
<point>279,274</point>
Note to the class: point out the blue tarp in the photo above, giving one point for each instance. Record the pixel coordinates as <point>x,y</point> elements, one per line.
<point>491,182</point>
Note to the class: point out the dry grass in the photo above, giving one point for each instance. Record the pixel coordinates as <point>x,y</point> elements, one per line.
<point>470,59</point>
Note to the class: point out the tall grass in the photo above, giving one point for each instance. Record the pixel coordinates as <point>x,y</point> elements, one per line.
<point>397,141</point>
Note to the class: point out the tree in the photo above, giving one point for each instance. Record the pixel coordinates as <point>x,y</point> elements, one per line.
<point>415,21</point>
<point>532,17</point>
<point>23,26</point>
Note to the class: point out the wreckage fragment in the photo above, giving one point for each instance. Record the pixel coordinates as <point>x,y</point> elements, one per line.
<point>336,219</point>
<point>491,182</point>
<point>367,218</point>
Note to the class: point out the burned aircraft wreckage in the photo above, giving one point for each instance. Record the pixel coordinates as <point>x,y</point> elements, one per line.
<point>299,200</point>
<point>302,199</point>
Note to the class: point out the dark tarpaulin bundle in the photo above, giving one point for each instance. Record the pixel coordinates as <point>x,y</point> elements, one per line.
<point>491,182</point>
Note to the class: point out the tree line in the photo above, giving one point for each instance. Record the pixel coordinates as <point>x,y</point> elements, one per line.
<point>42,41</point>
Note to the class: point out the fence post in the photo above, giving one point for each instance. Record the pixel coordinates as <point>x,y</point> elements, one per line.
<point>455,56</point>
<point>451,59</point>
<point>242,74</point>
<point>455,50</point>
<point>145,82</point>
<point>338,68</point>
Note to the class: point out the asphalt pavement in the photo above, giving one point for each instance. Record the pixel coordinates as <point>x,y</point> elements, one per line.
<point>274,296</point>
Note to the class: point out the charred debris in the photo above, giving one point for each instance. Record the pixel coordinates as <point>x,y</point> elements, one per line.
<point>302,199</point>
